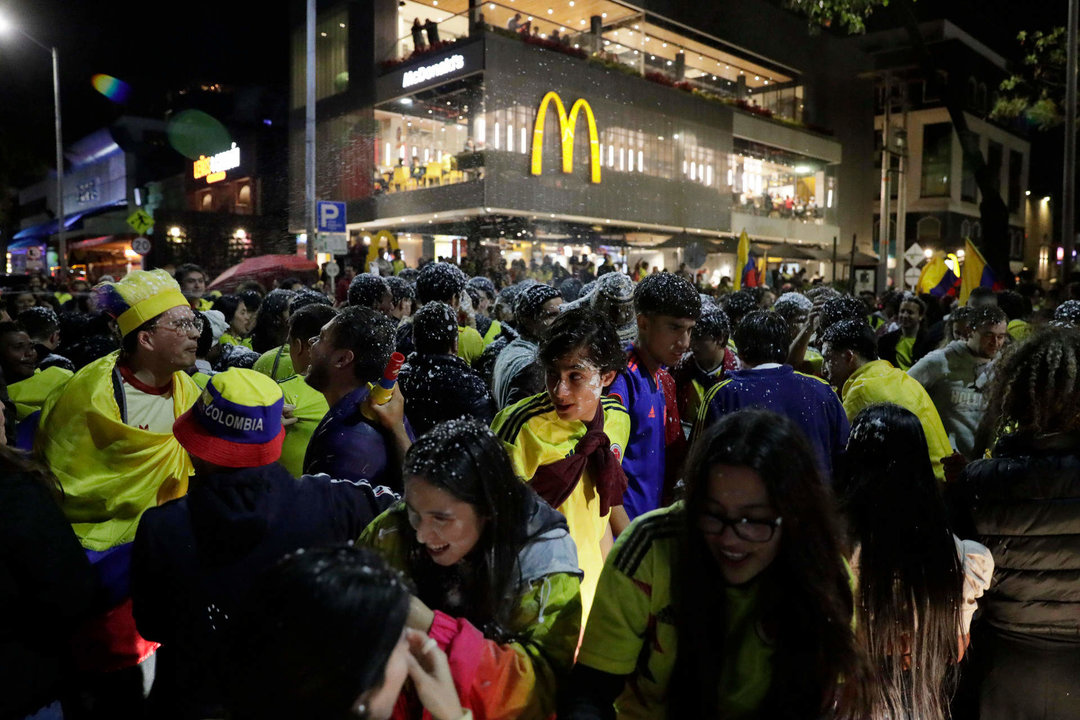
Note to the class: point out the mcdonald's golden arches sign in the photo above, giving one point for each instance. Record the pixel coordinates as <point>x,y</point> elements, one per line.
<point>567,124</point>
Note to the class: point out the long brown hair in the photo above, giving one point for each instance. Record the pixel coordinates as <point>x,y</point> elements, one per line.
<point>911,583</point>
<point>807,605</point>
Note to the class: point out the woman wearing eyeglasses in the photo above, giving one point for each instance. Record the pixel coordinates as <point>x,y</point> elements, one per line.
<point>733,603</point>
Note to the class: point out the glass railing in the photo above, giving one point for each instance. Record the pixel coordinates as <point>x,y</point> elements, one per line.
<point>606,50</point>
<point>431,37</point>
<point>797,209</point>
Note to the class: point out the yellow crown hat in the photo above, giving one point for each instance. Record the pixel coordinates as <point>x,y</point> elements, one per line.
<point>142,295</point>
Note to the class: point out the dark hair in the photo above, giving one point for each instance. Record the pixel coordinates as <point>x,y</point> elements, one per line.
<point>129,343</point>
<point>987,315</point>
<point>315,632</point>
<point>39,322</point>
<point>251,286</point>
<point>1067,314</point>
<point>805,599</point>
<point>305,297</point>
<point>206,336</point>
<point>465,459</point>
<point>570,289</point>
<point>853,334</point>
<point>236,356</point>
<point>530,300</point>
<point>227,306</point>
<point>841,308</point>
<point>980,292</point>
<point>186,269</point>
<point>667,294</point>
<point>583,328</point>
<point>271,326</point>
<point>762,337</point>
<point>10,326</point>
<point>367,290</point>
<point>713,324</point>
<point>1036,387</point>
<point>439,281</point>
<point>1014,305</point>
<point>287,283</point>
<point>910,297</point>
<point>737,305</point>
<point>435,328</point>
<point>306,322</point>
<point>399,289</point>
<point>370,336</point>
<point>910,579</point>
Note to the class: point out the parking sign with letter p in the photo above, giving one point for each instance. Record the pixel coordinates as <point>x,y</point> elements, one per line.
<point>330,216</point>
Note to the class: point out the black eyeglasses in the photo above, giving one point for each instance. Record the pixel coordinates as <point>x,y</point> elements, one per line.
<point>757,531</point>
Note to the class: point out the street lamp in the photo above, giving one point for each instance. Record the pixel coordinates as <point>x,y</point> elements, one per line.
<point>5,27</point>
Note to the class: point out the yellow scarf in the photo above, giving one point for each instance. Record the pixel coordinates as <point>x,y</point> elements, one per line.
<point>110,472</point>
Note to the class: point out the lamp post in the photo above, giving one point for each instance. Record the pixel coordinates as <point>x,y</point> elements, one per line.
<point>60,229</point>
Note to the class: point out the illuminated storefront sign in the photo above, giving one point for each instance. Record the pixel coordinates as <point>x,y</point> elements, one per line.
<point>566,132</point>
<point>430,72</point>
<point>213,168</point>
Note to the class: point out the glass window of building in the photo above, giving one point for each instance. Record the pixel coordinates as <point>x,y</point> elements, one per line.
<point>928,228</point>
<point>331,56</point>
<point>968,186</point>
<point>770,182</point>
<point>936,159</point>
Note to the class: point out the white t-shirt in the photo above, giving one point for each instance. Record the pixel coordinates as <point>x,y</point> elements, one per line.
<point>148,408</point>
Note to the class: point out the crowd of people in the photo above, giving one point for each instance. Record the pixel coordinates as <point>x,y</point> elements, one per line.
<point>590,494</point>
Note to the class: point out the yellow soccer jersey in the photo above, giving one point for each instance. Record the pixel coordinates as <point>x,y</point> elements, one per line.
<point>470,344</point>
<point>311,406</point>
<point>534,435</point>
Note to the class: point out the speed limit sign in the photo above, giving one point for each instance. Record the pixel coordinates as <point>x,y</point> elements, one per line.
<point>141,245</point>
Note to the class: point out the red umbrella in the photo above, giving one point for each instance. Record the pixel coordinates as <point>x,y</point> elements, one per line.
<point>264,269</point>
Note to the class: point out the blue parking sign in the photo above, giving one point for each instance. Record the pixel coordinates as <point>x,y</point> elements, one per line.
<point>330,216</point>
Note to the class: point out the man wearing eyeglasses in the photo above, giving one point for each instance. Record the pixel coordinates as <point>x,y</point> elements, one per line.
<point>108,439</point>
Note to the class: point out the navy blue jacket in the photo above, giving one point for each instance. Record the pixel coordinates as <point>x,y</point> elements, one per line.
<point>348,446</point>
<point>808,401</point>
<point>194,558</point>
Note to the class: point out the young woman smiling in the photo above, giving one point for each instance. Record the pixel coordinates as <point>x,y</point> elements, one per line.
<point>568,441</point>
<point>495,570</point>
<point>734,603</point>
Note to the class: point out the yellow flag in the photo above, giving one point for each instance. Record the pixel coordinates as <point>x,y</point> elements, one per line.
<point>742,258</point>
<point>975,272</point>
<point>110,472</point>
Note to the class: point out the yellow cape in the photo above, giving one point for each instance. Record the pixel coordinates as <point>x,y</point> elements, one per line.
<point>29,394</point>
<point>110,472</point>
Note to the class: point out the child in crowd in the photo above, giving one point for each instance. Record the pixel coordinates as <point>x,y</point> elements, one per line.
<point>667,308</point>
<point>568,440</point>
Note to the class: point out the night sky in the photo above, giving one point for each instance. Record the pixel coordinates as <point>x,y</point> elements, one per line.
<point>159,46</point>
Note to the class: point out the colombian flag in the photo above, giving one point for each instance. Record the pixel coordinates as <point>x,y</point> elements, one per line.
<point>975,273</point>
<point>937,278</point>
<point>746,272</point>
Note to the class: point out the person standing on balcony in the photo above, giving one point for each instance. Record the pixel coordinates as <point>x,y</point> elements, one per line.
<point>417,35</point>
<point>432,30</point>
